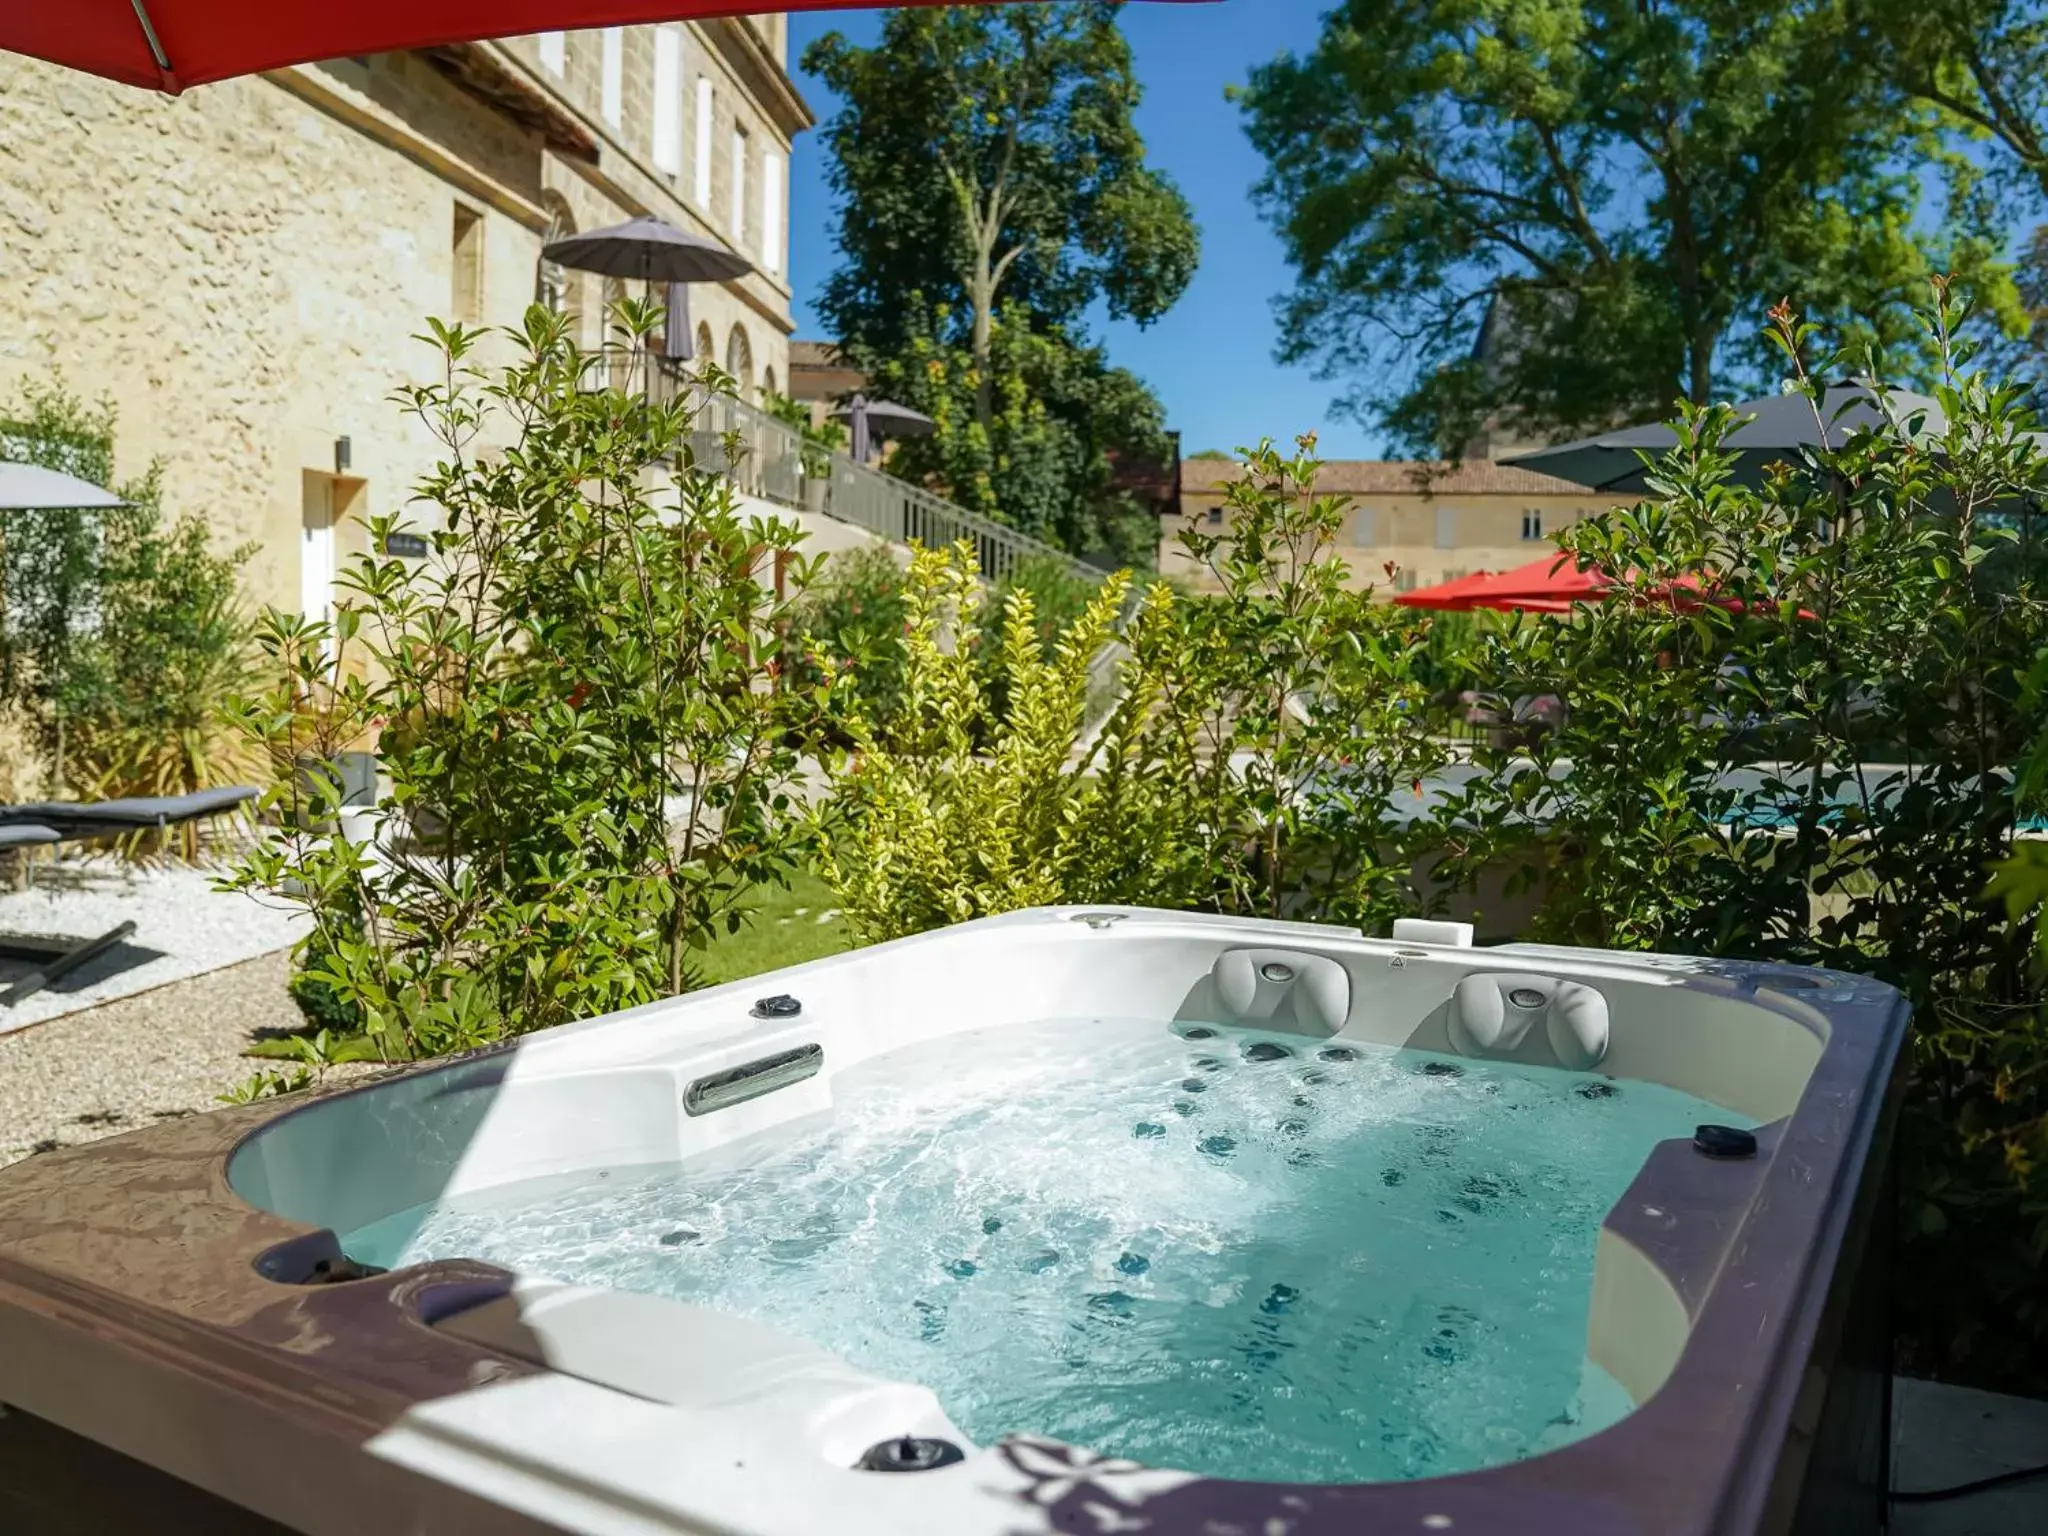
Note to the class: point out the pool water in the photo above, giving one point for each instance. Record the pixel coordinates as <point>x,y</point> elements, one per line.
<point>1239,1254</point>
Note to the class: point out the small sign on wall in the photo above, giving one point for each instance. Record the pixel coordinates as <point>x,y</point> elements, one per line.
<point>407,546</point>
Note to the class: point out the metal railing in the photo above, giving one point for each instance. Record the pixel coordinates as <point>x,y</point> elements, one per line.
<point>770,459</point>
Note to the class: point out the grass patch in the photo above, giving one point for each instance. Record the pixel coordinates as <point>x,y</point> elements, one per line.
<point>786,927</point>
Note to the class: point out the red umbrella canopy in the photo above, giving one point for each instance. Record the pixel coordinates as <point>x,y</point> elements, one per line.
<point>1547,585</point>
<point>1451,596</point>
<point>167,45</point>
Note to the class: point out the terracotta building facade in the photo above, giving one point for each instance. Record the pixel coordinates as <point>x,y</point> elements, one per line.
<point>243,269</point>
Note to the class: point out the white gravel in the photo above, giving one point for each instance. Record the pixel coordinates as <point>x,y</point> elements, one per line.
<point>161,1054</point>
<point>183,927</point>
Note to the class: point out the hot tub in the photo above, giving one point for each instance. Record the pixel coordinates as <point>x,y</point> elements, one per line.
<point>1071,1220</point>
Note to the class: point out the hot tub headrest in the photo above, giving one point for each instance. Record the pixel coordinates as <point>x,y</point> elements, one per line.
<point>1283,987</point>
<point>1492,1012</point>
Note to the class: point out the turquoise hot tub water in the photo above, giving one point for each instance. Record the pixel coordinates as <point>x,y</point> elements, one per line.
<point>1238,1254</point>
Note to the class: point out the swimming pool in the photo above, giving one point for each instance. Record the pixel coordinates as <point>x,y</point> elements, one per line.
<point>1181,1221</point>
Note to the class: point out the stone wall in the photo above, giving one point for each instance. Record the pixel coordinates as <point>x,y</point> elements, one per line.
<point>242,269</point>
<point>240,273</point>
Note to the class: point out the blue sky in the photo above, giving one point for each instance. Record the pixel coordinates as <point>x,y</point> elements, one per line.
<point>1211,359</point>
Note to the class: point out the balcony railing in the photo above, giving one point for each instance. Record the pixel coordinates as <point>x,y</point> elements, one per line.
<point>770,459</point>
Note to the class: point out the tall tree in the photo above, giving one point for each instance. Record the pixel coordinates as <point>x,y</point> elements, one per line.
<point>993,189</point>
<point>1982,62</point>
<point>1608,193</point>
<point>1983,66</point>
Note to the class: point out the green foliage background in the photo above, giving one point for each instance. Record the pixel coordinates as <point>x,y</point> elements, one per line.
<point>993,187</point>
<point>122,631</point>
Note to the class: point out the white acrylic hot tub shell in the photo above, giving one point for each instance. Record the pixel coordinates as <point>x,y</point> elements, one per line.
<point>662,1417</point>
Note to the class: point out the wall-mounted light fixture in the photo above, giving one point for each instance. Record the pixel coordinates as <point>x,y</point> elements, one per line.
<point>341,455</point>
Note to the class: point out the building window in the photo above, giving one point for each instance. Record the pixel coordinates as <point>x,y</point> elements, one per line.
<point>1215,517</point>
<point>1446,528</point>
<point>466,252</point>
<point>1364,529</point>
<point>1404,580</point>
<point>554,51</point>
<point>739,362</point>
<point>668,101</point>
<point>704,142</point>
<point>771,210</point>
<point>736,216</point>
<point>1532,525</point>
<point>613,85</point>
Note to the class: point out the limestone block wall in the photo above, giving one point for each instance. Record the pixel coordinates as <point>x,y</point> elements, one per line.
<point>243,269</point>
<point>242,274</point>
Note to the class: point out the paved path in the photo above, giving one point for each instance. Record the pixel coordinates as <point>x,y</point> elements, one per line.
<point>1948,1435</point>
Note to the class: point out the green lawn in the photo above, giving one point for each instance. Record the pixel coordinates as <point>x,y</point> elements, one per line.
<point>784,928</point>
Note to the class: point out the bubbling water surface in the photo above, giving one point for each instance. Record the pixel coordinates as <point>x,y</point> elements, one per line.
<point>1239,1254</point>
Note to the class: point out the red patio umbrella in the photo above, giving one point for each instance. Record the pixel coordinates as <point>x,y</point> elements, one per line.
<point>1554,584</point>
<point>1451,596</point>
<point>167,45</point>
<point>1550,584</point>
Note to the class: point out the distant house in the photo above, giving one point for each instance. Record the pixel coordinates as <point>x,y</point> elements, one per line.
<point>1430,522</point>
<point>820,378</point>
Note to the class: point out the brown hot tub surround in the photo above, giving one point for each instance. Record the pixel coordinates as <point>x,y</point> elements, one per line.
<point>182,1341</point>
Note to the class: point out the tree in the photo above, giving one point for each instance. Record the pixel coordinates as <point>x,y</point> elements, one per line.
<point>1983,66</point>
<point>993,189</point>
<point>1607,191</point>
<point>1982,62</point>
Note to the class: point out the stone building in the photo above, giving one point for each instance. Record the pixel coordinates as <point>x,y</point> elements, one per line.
<point>243,269</point>
<point>1431,522</point>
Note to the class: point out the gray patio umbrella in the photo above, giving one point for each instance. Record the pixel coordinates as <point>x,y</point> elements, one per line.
<point>870,419</point>
<point>651,250</point>
<point>1777,428</point>
<point>648,250</point>
<point>30,487</point>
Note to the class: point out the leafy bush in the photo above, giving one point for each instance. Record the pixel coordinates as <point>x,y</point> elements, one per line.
<point>1790,735</point>
<point>580,717</point>
<point>856,615</point>
<point>853,613</point>
<point>123,632</point>
<point>1256,744</point>
<point>927,826</point>
<point>1303,696</point>
<point>821,439</point>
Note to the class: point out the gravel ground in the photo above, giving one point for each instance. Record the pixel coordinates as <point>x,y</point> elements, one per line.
<point>139,1059</point>
<point>183,927</point>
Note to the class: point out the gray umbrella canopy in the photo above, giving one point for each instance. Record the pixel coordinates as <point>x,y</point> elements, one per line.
<point>648,250</point>
<point>871,419</point>
<point>30,488</point>
<point>1777,427</point>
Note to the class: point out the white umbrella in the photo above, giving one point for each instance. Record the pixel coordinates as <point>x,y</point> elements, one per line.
<point>30,487</point>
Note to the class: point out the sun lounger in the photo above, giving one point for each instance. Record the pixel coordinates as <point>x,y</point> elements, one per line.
<point>49,822</point>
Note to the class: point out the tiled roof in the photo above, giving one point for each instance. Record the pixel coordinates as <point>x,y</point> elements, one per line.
<point>1400,477</point>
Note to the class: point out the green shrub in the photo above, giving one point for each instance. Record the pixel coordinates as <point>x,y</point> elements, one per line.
<point>586,744</point>
<point>821,440</point>
<point>1790,736</point>
<point>849,623</point>
<point>123,633</point>
<point>1256,741</point>
<point>947,811</point>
